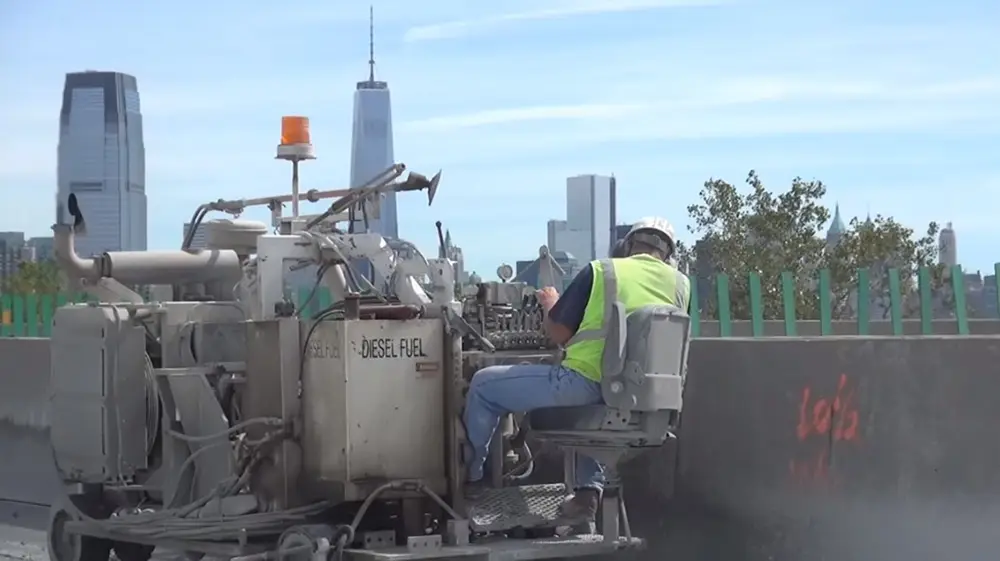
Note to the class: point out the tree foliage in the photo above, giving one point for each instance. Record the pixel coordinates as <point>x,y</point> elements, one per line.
<point>40,277</point>
<point>879,244</point>
<point>763,232</point>
<point>760,230</point>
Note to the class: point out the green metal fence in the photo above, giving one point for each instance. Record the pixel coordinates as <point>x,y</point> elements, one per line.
<point>31,315</point>
<point>824,293</point>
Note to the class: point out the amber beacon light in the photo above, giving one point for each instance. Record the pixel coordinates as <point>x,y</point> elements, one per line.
<point>296,146</point>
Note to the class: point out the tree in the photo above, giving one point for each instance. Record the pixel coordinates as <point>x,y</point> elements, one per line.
<point>878,245</point>
<point>761,232</point>
<point>684,257</point>
<point>769,233</point>
<point>40,277</point>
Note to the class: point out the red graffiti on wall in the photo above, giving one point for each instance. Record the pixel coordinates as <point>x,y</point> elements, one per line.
<point>817,417</point>
<point>815,471</point>
<point>825,420</point>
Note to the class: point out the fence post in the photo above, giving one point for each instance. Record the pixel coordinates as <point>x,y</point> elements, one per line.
<point>825,306</point>
<point>961,312</point>
<point>756,306</point>
<point>788,302</point>
<point>31,314</point>
<point>17,318</point>
<point>6,303</point>
<point>725,312</point>
<point>895,302</point>
<point>864,299</point>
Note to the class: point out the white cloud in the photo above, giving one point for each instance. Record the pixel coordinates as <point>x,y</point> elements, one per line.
<point>462,28</point>
<point>594,111</point>
<point>732,108</point>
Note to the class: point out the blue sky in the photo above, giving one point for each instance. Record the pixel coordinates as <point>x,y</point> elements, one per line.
<point>895,105</point>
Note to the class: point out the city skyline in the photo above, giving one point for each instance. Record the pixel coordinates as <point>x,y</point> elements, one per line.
<point>895,110</point>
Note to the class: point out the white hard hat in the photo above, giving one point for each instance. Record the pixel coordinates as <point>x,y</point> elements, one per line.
<point>653,224</point>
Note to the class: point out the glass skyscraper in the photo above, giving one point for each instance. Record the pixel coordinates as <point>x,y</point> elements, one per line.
<point>371,142</point>
<point>102,161</point>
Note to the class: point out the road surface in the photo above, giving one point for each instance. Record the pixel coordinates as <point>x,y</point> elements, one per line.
<point>22,531</point>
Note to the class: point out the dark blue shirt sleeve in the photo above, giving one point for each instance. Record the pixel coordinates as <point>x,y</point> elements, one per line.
<point>569,309</point>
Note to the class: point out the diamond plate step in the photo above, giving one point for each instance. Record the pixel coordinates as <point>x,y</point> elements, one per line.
<point>528,506</point>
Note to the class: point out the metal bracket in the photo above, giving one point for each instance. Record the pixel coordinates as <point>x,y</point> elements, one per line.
<point>424,543</point>
<point>376,540</point>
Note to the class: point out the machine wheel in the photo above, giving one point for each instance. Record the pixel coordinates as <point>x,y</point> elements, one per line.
<point>64,546</point>
<point>301,543</point>
<point>129,551</point>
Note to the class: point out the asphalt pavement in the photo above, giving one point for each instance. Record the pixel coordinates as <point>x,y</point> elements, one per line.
<point>22,531</point>
<point>22,544</point>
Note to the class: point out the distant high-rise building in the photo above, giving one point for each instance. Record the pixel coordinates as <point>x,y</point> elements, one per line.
<point>101,159</point>
<point>11,253</point>
<point>948,246</point>
<point>43,247</point>
<point>198,241</point>
<point>558,235</point>
<point>837,228</point>
<point>589,231</point>
<point>371,144</point>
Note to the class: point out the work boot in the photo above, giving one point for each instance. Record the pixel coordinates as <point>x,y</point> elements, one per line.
<point>581,510</point>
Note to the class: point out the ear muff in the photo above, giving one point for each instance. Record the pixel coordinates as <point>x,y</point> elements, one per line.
<point>651,238</point>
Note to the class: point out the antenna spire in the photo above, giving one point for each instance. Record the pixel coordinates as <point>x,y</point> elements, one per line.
<point>371,43</point>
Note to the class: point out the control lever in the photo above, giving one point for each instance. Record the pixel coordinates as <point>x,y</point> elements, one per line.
<point>457,324</point>
<point>442,250</point>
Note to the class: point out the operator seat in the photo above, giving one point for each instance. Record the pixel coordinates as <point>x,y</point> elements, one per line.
<point>643,372</point>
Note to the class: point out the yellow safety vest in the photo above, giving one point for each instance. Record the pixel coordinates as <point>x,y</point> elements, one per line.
<point>637,281</point>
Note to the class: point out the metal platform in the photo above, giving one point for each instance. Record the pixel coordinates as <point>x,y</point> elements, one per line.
<point>529,506</point>
<point>504,550</point>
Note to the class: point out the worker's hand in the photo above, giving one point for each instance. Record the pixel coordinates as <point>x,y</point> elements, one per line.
<point>547,297</point>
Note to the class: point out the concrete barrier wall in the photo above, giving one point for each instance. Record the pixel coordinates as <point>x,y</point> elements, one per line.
<point>26,470</point>
<point>830,448</point>
<point>792,449</point>
<point>803,328</point>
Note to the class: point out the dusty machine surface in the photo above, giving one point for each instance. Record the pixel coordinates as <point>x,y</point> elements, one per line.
<point>216,420</point>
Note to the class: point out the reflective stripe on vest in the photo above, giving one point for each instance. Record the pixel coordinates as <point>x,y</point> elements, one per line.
<point>647,281</point>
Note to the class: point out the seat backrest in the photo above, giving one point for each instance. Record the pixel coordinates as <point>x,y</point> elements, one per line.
<point>645,358</point>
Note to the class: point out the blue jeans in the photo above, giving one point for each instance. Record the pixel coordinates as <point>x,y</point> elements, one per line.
<point>498,390</point>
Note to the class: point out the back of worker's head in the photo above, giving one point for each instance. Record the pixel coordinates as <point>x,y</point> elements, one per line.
<point>651,236</point>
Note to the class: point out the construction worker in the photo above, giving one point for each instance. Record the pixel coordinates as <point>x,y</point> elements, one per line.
<point>645,276</point>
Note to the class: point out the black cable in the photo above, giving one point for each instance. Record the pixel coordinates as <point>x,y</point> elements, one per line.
<point>331,310</point>
<point>196,219</point>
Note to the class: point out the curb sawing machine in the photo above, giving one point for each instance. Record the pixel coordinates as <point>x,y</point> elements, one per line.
<point>213,418</point>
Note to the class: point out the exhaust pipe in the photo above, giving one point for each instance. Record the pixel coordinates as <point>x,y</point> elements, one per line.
<point>145,267</point>
<point>65,253</point>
